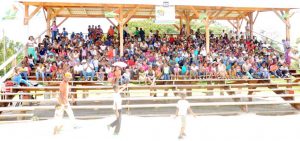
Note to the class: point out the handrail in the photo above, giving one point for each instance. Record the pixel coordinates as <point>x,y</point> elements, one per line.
<point>279,51</point>
<point>12,60</point>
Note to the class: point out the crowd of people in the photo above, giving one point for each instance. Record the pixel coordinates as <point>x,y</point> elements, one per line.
<point>150,56</point>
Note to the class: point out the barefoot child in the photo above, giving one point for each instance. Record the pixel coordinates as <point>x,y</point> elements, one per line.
<point>117,106</point>
<point>183,107</point>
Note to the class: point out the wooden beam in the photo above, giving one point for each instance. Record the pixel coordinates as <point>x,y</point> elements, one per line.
<point>130,14</point>
<point>33,13</point>
<point>280,16</point>
<point>229,12</point>
<point>232,24</point>
<point>85,11</point>
<point>118,17</point>
<point>242,15</point>
<point>26,14</point>
<point>257,13</point>
<point>111,22</point>
<point>44,14</point>
<point>218,13</point>
<point>195,11</point>
<point>69,11</point>
<point>176,26</point>
<point>48,21</point>
<point>56,12</point>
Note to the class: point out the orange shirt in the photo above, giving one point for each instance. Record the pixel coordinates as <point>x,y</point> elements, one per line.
<point>64,91</point>
<point>111,32</point>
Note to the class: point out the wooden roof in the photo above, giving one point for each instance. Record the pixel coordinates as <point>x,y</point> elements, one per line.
<point>147,10</point>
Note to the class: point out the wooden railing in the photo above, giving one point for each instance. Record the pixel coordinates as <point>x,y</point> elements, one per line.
<point>13,61</point>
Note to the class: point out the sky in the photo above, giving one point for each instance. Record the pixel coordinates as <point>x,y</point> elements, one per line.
<point>267,21</point>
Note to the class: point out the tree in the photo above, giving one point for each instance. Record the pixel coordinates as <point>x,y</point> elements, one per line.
<point>11,47</point>
<point>148,25</point>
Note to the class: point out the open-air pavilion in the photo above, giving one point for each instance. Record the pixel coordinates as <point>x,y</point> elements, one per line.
<point>234,11</point>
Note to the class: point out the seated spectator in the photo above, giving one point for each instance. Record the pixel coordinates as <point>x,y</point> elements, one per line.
<point>100,75</point>
<point>142,75</point>
<point>53,70</point>
<point>166,72</point>
<point>150,76</point>
<point>177,71</point>
<point>88,70</point>
<point>60,73</point>
<point>40,71</point>
<point>194,72</point>
<point>126,77</point>
<point>78,69</point>
<point>48,74</point>
<point>17,78</point>
<point>24,71</point>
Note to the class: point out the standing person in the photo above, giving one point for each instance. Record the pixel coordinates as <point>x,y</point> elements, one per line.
<point>54,31</point>
<point>64,105</point>
<point>183,106</point>
<point>117,106</point>
<point>31,45</point>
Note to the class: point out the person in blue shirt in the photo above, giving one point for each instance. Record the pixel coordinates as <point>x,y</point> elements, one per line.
<point>17,78</point>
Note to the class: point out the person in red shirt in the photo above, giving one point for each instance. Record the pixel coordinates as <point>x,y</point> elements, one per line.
<point>53,70</point>
<point>110,33</point>
<point>110,53</point>
<point>164,49</point>
<point>171,40</point>
<point>131,62</point>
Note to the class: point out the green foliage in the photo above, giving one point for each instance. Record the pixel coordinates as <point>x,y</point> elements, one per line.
<point>12,47</point>
<point>148,25</point>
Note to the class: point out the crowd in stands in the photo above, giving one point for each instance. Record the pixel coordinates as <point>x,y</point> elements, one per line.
<point>150,56</point>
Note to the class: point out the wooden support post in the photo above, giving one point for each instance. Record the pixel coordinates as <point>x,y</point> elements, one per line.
<point>188,26</point>
<point>26,16</point>
<point>180,24</point>
<point>121,32</point>
<point>207,35</point>
<point>238,26</point>
<point>48,21</point>
<point>251,22</point>
<point>287,26</point>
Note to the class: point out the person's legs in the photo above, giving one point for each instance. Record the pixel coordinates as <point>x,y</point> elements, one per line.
<point>182,129</point>
<point>92,75</point>
<point>37,76</point>
<point>118,123</point>
<point>24,82</point>
<point>85,75</point>
<point>70,113</point>
<point>43,76</point>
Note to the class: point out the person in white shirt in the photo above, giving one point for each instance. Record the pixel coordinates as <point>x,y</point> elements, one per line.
<point>88,70</point>
<point>95,62</point>
<point>40,71</point>
<point>117,106</point>
<point>78,69</point>
<point>183,106</point>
